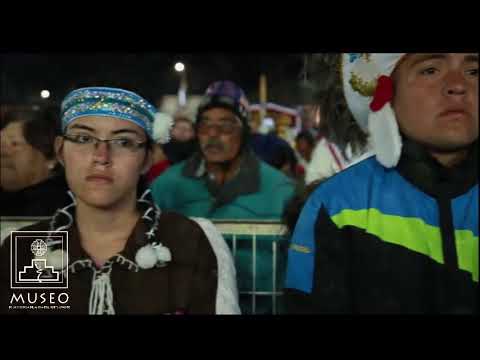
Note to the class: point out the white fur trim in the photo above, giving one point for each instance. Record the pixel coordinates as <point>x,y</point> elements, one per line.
<point>163,253</point>
<point>385,136</point>
<point>322,165</point>
<point>227,293</point>
<point>146,257</point>
<point>161,128</point>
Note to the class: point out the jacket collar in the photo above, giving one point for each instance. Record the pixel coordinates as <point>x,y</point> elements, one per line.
<point>421,169</point>
<point>247,180</point>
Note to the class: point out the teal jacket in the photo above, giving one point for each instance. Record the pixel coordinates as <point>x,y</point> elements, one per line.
<point>258,192</point>
<point>261,192</point>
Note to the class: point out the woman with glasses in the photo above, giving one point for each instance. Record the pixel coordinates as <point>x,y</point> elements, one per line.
<point>124,254</point>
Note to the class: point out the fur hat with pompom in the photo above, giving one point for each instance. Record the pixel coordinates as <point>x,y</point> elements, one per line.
<point>368,89</point>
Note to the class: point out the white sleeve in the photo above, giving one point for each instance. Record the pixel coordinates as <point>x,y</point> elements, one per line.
<point>227,293</point>
<point>322,164</point>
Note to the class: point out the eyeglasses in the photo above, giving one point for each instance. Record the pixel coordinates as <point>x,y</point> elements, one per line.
<point>118,146</point>
<point>226,128</point>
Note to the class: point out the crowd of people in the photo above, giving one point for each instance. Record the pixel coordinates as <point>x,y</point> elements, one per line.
<point>377,184</point>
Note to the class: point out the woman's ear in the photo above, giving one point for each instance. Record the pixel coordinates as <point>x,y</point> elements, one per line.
<point>59,149</point>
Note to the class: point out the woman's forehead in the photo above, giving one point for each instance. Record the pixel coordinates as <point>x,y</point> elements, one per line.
<point>105,124</point>
<point>13,129</point>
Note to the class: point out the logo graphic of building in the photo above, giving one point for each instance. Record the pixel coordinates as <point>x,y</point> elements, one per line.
<point>35,272</point>
<point>39,272</point>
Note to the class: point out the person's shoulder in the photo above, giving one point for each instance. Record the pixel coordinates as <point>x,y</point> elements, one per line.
<point>351,184</point>
<point>173,170</point>
<point>319,154</point>
<point>40,226</point>
<point>54,188</point>
<point>43,225</point>
<point>358,173</point>
<point>179,226</point>
<point>58,180</point>
<point>175,219</point>
<point>182,235</point>
<point>165,178</point>
<point>320,145</point>
<point>274,176</point>
<point>40,223</point>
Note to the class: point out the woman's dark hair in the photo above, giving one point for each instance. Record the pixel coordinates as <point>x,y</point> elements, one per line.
<point>307,136</point>
<point>282,155</point>
<point>40,127</point>
<point>143,183</point>
<point>325,88</point>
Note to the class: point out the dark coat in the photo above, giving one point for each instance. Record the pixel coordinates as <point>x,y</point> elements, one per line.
<point>188,284</point>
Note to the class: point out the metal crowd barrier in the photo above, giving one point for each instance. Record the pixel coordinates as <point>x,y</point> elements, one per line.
<point>236,232</point>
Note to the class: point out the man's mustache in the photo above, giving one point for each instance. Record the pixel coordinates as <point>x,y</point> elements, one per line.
<point>213,144</point>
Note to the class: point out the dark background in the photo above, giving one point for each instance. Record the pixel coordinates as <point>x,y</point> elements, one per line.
<point>24,75</point>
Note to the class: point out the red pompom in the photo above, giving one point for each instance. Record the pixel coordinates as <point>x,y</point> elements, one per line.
<point>383,93</point>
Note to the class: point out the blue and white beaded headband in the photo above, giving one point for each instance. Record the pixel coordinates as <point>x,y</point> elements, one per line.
<point>105,101</point>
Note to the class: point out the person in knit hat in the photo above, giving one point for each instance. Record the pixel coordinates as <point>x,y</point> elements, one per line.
<point>124,255</point>
<point>224,179</point>
<point>397,232</point>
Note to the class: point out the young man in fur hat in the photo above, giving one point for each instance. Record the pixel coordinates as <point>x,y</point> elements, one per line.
<point>124,255</point>
<point>397,232</point>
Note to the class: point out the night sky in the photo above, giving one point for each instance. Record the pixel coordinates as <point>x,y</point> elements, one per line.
<point>24,75</point>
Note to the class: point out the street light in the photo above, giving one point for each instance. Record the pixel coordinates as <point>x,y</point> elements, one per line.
<point>45,94</point>
<point>179,67</point>
<point>182,89</point>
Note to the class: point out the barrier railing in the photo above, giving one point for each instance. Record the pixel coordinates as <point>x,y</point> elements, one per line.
<point>11,223</point>
<point>266,239</point>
